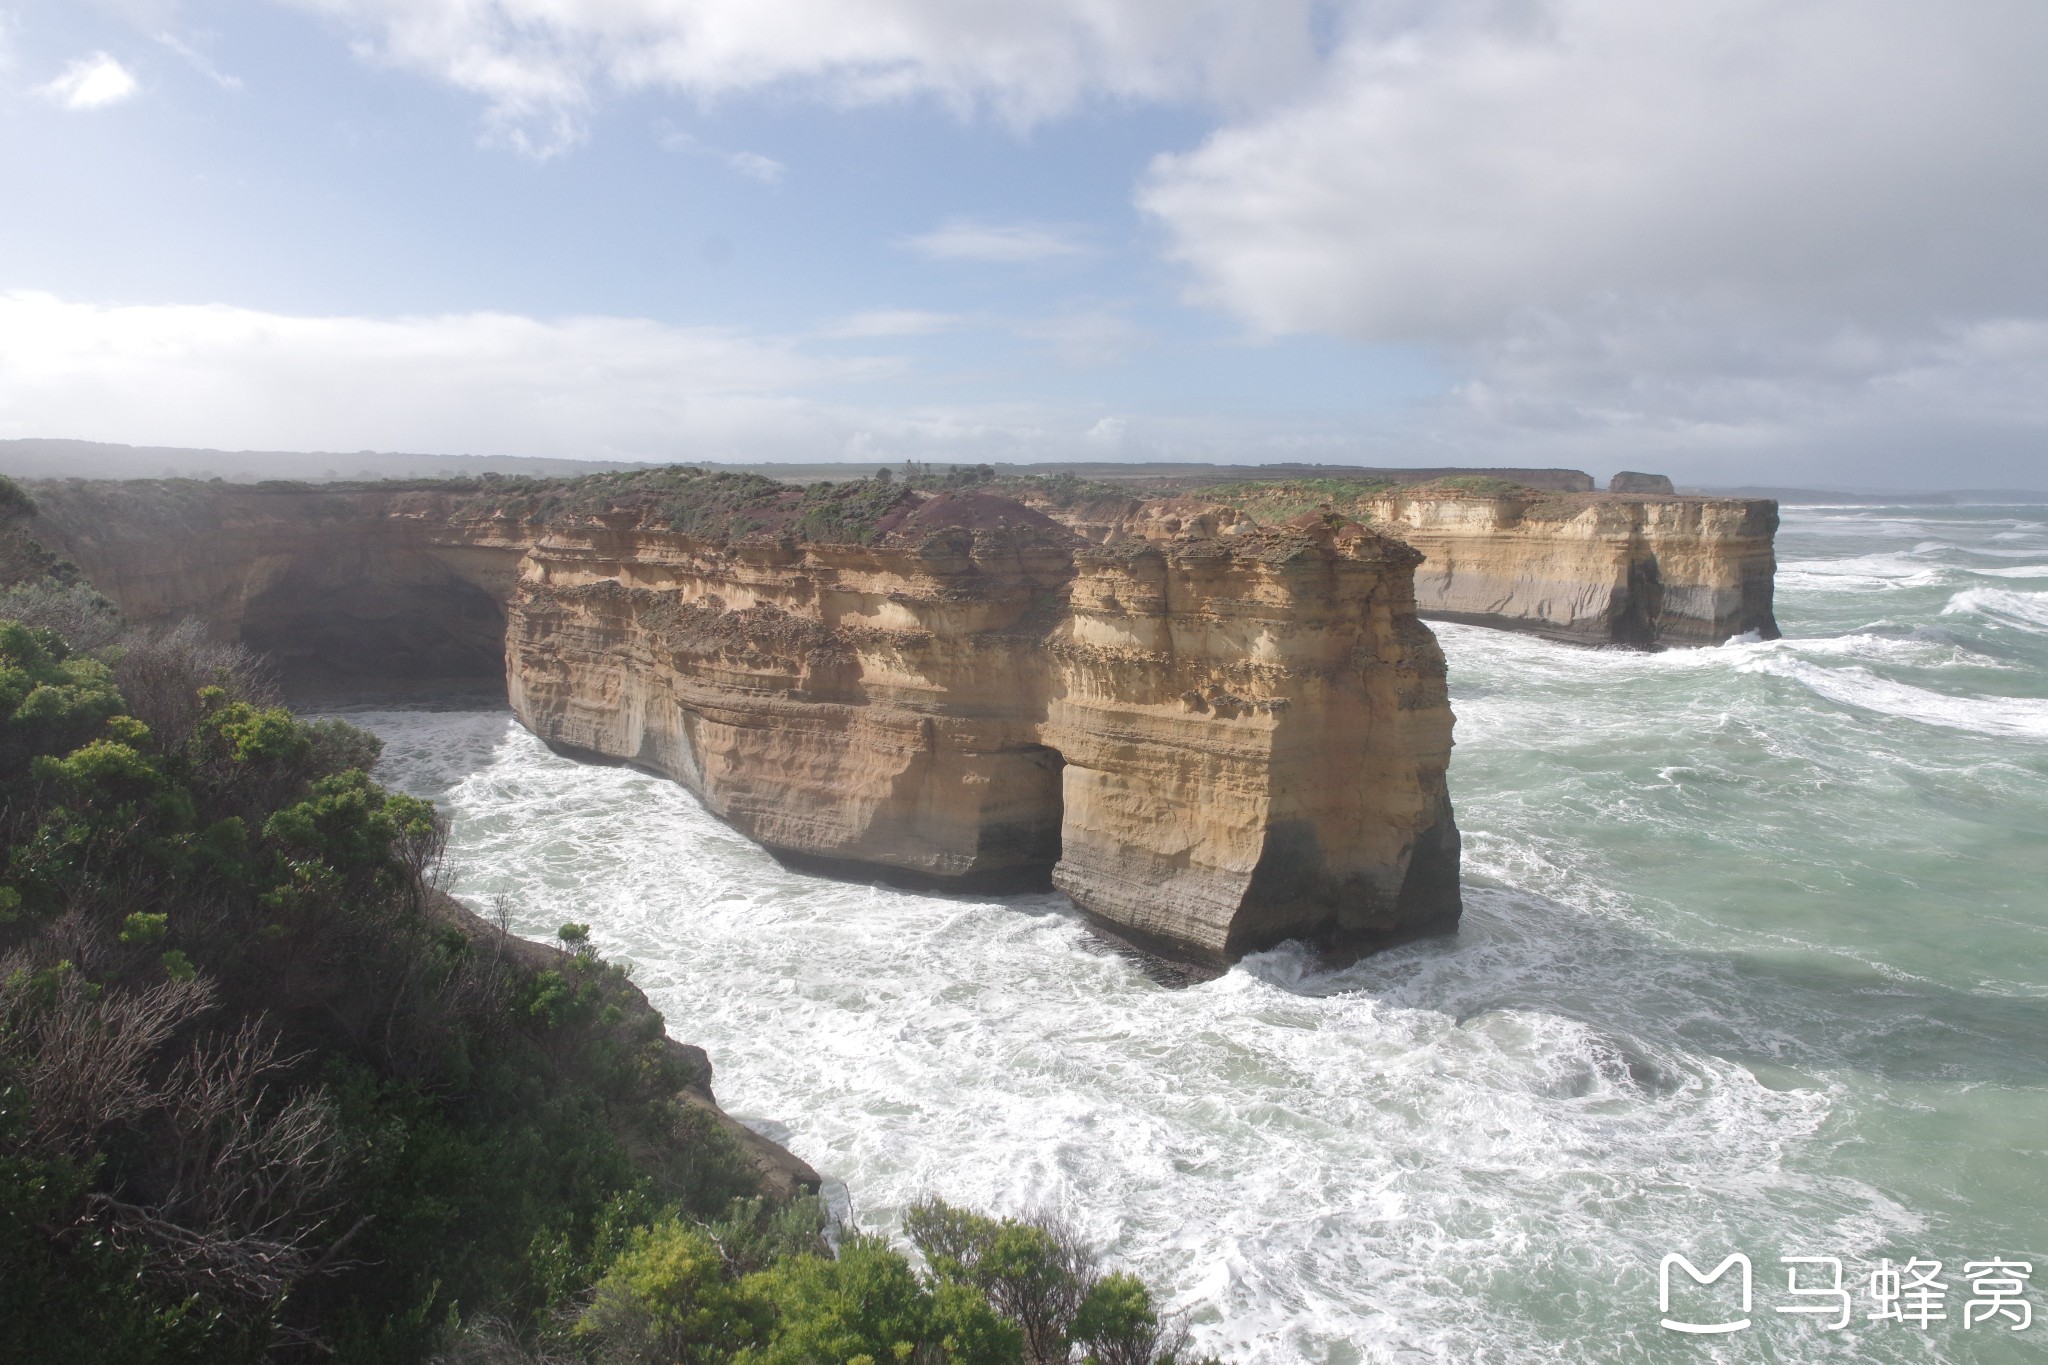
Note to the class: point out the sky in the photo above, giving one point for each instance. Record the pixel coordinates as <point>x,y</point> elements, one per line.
<point>1737,241</point>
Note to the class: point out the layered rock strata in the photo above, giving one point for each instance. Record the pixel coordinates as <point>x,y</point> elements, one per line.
<point>1211,742</point>
<point>1636,570</point>
<point>1640,570</point>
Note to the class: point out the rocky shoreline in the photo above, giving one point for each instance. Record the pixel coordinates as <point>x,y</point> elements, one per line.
<point>1212,727</point>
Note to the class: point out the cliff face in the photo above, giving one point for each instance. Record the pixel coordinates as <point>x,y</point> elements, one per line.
<point>1638,569</point>
<point>1210,742</point>
<point>1256,730</point>
<point>363,585</point>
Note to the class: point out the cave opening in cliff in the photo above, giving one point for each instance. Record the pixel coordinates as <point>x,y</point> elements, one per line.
<point>1020,839</point>
<point>425,628</point>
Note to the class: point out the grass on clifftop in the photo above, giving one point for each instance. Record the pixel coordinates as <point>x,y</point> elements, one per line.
<point>719,505</point>
<point>1064,492</point>
<point>1275,501</point>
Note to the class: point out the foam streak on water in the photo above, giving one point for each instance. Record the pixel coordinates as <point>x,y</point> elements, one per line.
<point>1754,959</point>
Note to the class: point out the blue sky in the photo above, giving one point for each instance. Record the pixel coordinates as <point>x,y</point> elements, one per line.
<point>1736,240</point>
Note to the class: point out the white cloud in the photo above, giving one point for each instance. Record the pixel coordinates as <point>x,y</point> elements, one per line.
<point>963,239</point>
<point>1876,157</point>
<point>238,378</point>
<point>233,378</point>
<point>92,82</point>
<point>541,63</point>
<point>1087,338</point>
<point>892,322</point>
<point>752,165</point>
<point>1717,228</point>
<point>199,61</point>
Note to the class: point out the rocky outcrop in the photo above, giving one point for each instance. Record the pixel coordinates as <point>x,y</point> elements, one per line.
<point>1641,571</point>
<point>1629,481</point>
<point>329,583</point>
<point>1255,731</point>
<point>1604,569</point>
<point>1212,742</point>
<point>782,1175</point>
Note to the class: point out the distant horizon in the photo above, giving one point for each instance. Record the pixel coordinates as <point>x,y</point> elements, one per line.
<point>11,465</point>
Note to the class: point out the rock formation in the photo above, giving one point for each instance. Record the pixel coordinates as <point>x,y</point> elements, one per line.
<point>1629,481</point>
<point>782,1175</point>
<point>1604,569</point>
<point>1641,571</point>
<point>1211,742</point>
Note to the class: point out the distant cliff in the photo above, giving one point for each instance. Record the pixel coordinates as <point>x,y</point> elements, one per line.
<point>1211,743</point>
<point>1641,569</point>
<point>1596,568</point>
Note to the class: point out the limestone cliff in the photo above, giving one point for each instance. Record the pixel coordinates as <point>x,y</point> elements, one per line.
<point>1256,731</point>
<point>1210,742</point>
<point>1602,569</point>
<point>1637,569</point>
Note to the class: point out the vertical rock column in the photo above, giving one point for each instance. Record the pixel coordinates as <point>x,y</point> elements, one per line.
<point>1255,730</point>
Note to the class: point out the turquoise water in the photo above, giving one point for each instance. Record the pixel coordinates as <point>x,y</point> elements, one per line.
<point>1755,960</point>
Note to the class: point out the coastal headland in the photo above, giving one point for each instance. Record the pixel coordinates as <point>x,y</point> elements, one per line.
<point>1213,718</point>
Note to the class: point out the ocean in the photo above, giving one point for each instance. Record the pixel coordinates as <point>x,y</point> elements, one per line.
<point>1754,960</point>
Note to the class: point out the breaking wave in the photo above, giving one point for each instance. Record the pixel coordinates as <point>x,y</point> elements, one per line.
<point>2024,610</point>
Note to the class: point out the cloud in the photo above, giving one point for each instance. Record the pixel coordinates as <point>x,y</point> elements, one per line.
<point>1087,338</point>
<point>893,322</point>
<point>92,82</point>
<point>541,64</point>
<point>1735,226</point>
<point>963,239</point>
<point>238,378</point>
<point>199,61</point>
<point>1877,157</point>
<point>752,165</point>
<point>1957,404</point>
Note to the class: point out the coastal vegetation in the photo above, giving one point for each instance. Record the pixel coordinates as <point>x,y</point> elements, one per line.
<point>267,1093</point>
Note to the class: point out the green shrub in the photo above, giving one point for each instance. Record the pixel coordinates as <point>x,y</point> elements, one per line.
<point>485,1137</point>
<point>867,1302</point>
<point>666,1299</point>
<point>14,500</point>
<point>262,1095</point>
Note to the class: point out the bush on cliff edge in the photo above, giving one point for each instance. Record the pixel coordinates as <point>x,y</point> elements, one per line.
<point>265,1095</point>
<point>260,1093</point>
